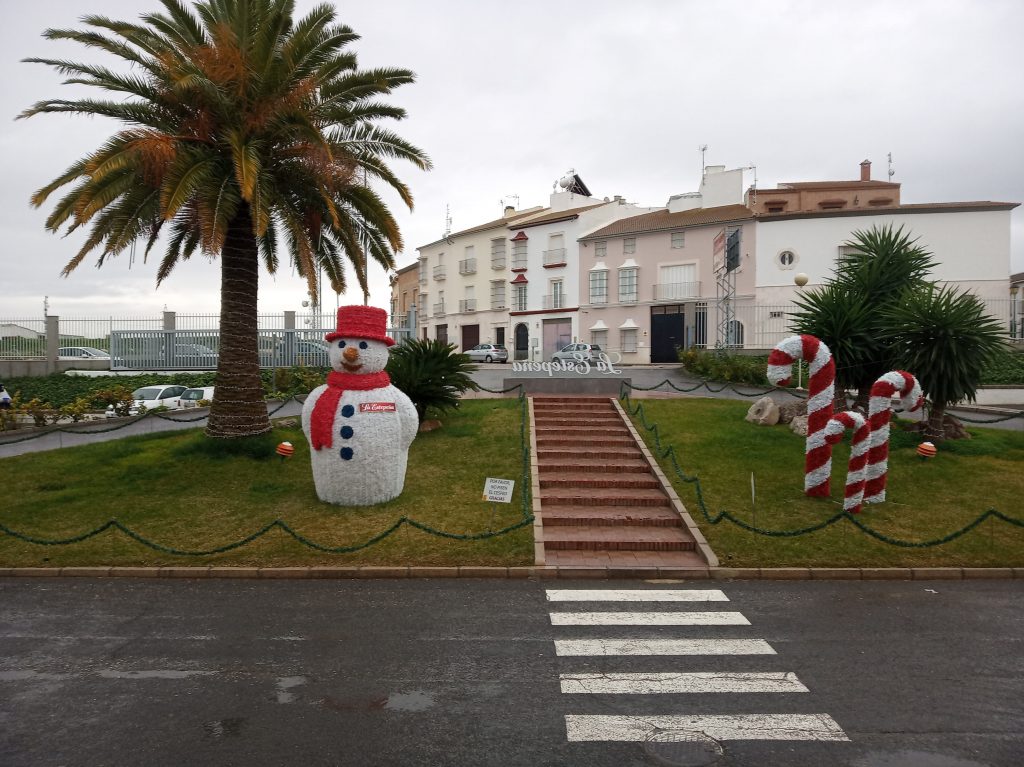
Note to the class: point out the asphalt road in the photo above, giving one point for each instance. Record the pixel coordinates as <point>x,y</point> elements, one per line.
<point>435,672</point>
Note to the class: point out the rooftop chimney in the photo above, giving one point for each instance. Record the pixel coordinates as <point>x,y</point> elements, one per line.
<point>865,170</point>
<point>509,210</point>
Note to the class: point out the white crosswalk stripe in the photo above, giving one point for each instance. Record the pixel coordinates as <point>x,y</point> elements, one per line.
<point>636,595</point>
<point>650,619</point>
<point>683,682</point>
<point>642,727</point>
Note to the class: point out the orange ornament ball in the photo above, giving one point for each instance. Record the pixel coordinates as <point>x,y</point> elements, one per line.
<point>926,450</point>
<point>285,449</point>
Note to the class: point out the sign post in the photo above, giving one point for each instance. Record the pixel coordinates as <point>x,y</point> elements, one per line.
<point>497,491</point>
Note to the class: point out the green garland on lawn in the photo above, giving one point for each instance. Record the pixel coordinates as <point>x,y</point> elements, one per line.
<point>670,454</point>
<point>113,524</point>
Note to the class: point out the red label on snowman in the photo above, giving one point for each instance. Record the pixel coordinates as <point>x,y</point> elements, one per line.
<point>377,407</point>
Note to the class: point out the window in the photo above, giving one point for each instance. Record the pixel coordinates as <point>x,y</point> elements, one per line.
<point>498,294</point>
<point>628,285</point>
<point>468,303</point>
<point>627,340</point>
<point>441,333</point>
<point>519,254</point>
<point>787,258</point>
<point>599,287</point>
<point>423,271</point>
<point>629,245</point>
<point>557,298</point>
<point>678,239</point>
<point>601,249</point>
<point>498,253</point>
<point>555,254</point>
<point>676,282</point>
<point>468,264</point>
<point>519,298</point>
<point>439,269</point>
<point>599,338</point>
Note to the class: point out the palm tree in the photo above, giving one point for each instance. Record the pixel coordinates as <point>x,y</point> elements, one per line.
<point>945,338</point>
<point>247,133</point>
<point>881,265</point>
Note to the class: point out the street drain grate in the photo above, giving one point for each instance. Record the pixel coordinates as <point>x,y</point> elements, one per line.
<point>682,748</point>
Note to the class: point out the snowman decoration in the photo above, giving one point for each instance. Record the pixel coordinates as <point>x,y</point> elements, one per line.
<point>359,426</point>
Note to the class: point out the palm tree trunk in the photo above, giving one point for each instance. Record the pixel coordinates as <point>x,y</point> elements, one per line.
<point>934,430</point>
<point>238,408</point>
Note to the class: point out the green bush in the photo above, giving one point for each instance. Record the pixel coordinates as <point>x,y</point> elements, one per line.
<point>431,373</point>
<point>1007,369</point>
<point>722,366</point>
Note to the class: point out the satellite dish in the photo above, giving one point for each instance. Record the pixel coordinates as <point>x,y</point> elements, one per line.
<point>566,181</point>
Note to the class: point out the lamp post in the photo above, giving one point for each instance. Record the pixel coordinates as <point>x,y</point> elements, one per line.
<point>800,279</point>
<point>1013,311</point>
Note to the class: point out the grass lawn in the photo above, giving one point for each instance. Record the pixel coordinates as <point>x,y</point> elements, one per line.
<point>925,499</point>
<point>181,490</point>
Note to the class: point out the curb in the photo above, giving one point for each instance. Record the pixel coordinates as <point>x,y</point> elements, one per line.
<point>539,572</point>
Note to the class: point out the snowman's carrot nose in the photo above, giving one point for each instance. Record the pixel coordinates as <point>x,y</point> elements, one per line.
<point>351,354</point>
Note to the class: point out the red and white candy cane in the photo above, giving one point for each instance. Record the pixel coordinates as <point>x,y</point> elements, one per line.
<point>896,382</point>
<point>856,474</point>
<point>821,387</point>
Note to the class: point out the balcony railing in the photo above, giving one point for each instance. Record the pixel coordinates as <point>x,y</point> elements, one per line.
<point>439,272</point>
<point>423,277</point>
<point>519,304</point>
<point>439,309</point>
<point>468,266</point>
<point>519,262</point>
<point>498,303</point>
<point>554,301</point>
<point>676,291</point>
<point>498,262</point>
<point>627,298</point>
<point>553,257</point>
<point>467,305</point>
<point>598,298</point>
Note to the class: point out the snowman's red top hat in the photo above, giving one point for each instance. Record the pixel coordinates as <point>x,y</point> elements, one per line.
<point>367,322</point>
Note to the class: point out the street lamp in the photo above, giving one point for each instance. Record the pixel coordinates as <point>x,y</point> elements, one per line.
<point>800,279</point>
<point>1013,311</point>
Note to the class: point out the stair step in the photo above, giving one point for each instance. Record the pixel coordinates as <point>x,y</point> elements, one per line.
<point>599,481</point>
<point>571,400</point>
<point>623,559</point>
<point>606,455</point>
<point>610,516</point>
<point>574,463</point>
<point>585,430</point>
<point>620,538</point>
<point>581,422</point>
<point>582,440</point>
<point>605,496</point>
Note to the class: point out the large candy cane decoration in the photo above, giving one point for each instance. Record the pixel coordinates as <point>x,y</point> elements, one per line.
<point>855,471</point>
<point>821,391</point>
<point>879,413</point>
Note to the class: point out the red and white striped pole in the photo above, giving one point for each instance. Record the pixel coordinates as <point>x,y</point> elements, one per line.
<point>821,388</point>
<point>895,382</point>
<point>856,473</point>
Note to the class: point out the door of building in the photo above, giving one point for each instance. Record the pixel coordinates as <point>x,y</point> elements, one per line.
<point>470,336</point>
<point>557,333</point>
<point>522,341</point>
<point>667,333</point>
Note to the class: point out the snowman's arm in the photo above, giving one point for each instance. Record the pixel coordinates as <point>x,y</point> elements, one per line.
<point>408,418</point>
<point>307,408</point>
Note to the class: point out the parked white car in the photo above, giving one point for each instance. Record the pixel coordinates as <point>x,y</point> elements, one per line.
<point>192,397</point>
<point>575,352</point>
<point>82,353</point>
<point>151,397</point>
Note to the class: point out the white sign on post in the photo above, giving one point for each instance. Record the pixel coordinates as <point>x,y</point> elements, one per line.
<point>498,490</point>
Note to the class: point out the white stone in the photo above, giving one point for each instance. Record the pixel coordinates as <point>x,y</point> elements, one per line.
<point>764,412</point>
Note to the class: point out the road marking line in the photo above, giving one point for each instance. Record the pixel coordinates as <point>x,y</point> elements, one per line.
<point>566,647</point>
<point>636,595</point>
<point>650,619</point>
<point>693,682</point>
<point>700,727</point>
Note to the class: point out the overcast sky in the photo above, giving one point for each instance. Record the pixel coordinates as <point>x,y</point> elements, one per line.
<point>509,96</point>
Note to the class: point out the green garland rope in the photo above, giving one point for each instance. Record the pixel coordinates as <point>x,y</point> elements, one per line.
<point>669,454</point>
<point>527,517</point>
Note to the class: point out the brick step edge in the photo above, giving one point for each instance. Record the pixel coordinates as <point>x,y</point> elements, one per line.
<point>630,481</point>
<point>536,571</point>
<point>565,465</point>
<point>556,520</point>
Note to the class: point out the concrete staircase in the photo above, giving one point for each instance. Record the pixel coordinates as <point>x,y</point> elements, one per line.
<point>601,506</point>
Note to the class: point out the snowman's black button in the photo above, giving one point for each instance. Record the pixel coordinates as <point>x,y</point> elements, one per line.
<point>346,432</point>
<point>348,411</point>
<point>346,454</point>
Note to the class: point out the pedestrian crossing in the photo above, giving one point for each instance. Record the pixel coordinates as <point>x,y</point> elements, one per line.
<point>671,662</point>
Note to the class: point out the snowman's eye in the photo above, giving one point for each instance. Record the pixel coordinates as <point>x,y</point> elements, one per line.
<point>363,345</point>
<point>341,344</point>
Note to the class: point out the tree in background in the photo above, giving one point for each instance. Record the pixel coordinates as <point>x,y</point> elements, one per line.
<point>248,134</point>
<point>879,267</point>
<point>431,373</point>
<point>944,337</point>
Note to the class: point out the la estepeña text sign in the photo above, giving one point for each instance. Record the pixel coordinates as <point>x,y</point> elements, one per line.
<point>579,364</point>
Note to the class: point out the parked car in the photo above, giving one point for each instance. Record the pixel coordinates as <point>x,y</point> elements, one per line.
<point>196,355</point>
<point>82,353</point>
<point>192,397</point>
<point>150,397</point>
<point>312,353</point>
<point>574,352</point>
<point>488,353</point>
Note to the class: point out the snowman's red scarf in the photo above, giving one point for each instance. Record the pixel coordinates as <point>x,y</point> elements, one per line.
<point>321,423</point>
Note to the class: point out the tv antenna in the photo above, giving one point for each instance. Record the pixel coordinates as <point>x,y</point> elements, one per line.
<point>891,171</point>
<point>504,201</point>
<point>448,225</point>
<point>702,149</point>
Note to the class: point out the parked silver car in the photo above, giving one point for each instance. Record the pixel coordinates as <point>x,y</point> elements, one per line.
<point>574,352</point>
<point>192,397</point>
<point>150,397</point>
<point>488,353</point>
<point>82,353</point>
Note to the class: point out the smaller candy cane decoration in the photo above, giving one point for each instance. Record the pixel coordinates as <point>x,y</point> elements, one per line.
<point>855,471</point>
<point>879,412</point>
<point>821,388</point>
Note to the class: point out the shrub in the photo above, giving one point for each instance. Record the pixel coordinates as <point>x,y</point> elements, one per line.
<point>431,373</point>
<point>722,366</point>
